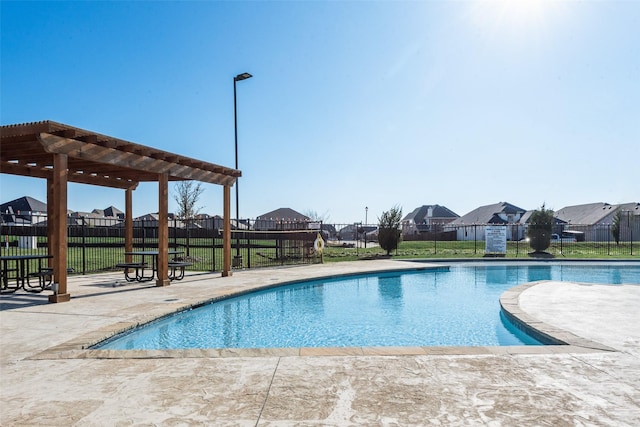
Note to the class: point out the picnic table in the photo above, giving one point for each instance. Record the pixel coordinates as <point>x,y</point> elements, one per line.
<point>176,267</point>
<point>18,267</point>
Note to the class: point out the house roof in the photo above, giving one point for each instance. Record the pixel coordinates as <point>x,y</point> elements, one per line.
<point>489,214</point>
<point>24,204</point>
<point>419,214</point>
<point>525,218</point>
<point>592,213</point>
<point>283,214</point>
<point>633,207</point>
<point>112,211</point>
<point>147,217</point>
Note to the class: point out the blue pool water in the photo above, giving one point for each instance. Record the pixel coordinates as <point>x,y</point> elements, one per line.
<point>455,307</point>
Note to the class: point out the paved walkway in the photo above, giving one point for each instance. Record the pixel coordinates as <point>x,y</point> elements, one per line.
<point>47,379</point>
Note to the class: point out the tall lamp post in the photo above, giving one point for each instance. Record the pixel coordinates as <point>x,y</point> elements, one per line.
<point>239,77</point>
<point>366,212</point>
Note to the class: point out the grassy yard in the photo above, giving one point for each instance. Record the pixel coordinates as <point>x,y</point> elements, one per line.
<point>470,249</point>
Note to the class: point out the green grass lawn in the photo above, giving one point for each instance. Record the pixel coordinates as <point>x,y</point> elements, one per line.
<point>470,249</point>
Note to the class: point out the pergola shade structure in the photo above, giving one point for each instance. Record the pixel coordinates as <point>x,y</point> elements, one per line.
<point>60,153</point>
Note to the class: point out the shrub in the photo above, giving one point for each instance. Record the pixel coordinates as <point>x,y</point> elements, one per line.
<point>540,227</point>
<point>615,227</point>
<point>389,233</point>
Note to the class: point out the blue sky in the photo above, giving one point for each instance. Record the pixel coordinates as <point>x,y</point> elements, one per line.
<point>352,104</point>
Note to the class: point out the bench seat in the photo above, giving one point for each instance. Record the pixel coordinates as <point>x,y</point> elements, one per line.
<point>132,265</point>
<point>177,269</point>
<point>45,278</point>
<point>138,267</point>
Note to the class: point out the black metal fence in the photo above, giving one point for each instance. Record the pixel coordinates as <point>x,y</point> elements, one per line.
<point>98,245</point>
<point>446,240</point>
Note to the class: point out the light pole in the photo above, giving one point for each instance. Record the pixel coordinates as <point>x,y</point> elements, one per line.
<point>239,77</point>
<point>366,212</point>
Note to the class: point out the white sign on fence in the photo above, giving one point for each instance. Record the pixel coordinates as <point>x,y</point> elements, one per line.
<point>496,239</point>
<point>28,242</point>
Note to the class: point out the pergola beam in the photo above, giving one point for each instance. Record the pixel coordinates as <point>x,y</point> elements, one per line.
<point>80,178</point>
<point>142,161</point>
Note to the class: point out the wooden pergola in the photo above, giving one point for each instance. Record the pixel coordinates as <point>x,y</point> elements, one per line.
<point>61,154</point>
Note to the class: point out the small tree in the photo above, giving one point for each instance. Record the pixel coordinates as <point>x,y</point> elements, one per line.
<point>187,195</point>
<point>389,233</point>
<point>615,227</point>
<point>540,227</point>
<point>315,216</point>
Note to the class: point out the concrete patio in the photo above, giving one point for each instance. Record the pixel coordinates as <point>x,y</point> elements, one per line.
<point>49,379</point>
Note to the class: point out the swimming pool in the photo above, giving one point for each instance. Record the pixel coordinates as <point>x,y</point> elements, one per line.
<point>455,306</point>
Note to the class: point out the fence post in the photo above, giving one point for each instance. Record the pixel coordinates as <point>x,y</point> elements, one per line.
<point>248,248</point>
<point>630,227</point>
<point>475,239</point>
<point>282,248</point>
<point>144,233</point>
<point>84,246</point>
<point>435,242</point>
<point>213,244</point>
<point>175,235</point>
<point>188,234</point>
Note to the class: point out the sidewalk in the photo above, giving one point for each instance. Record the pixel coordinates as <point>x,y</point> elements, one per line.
<point>47,379</point>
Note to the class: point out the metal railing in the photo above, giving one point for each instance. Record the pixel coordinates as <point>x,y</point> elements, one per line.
<point>581,241</point>
<point>97,244</point>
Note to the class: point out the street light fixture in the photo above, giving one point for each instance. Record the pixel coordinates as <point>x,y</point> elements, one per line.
<point>239,77</point>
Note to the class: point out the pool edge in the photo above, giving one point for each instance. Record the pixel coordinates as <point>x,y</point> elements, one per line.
<point>561,341</point>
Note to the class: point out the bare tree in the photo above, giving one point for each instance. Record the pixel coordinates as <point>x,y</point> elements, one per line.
<point>314,216</point>
<point>186,196</point>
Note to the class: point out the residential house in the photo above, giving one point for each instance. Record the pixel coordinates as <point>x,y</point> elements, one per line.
<point>215,222</point>
<point>282,219</point>
<point>24,211</point>
<point>631,220</point>
<point>151,220</point>
<point>329,231</point>
<point>472,225</point>
<point>595,219</point>
<point>358,231</point>
<point>108,217</point>
<point>425,219</point>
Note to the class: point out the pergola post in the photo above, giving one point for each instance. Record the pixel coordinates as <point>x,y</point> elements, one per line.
<point>226,232</point>
<point>128,222</point>
<point>163,230</point>
<point>59,225</point>
<point>51,236</point>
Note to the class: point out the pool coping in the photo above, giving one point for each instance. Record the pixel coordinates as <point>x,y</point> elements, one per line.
<point>557,340</point>
<point>541,331</point>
